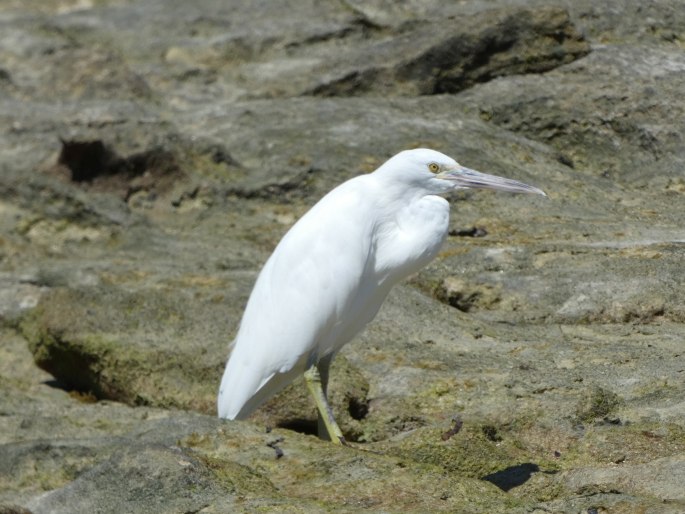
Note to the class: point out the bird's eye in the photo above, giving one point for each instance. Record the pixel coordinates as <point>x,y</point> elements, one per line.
<point>434,167</point>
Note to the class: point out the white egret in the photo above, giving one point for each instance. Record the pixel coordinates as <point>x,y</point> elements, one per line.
<point>329,275</point>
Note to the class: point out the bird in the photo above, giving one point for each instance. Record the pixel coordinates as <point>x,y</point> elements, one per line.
<point>330,273</point>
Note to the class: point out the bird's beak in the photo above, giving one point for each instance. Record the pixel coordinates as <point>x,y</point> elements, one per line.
<point>467,178</point>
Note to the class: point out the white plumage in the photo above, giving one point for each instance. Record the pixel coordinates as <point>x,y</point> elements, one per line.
<point>330,273</point>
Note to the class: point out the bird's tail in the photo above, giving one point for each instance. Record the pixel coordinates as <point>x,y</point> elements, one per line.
<point>235,390</point>
<point>242,390</point>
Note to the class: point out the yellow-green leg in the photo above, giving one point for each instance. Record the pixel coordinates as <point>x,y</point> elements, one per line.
<point>317,387</point>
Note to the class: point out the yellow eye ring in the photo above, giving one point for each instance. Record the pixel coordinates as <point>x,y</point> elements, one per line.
<point>434,167</point>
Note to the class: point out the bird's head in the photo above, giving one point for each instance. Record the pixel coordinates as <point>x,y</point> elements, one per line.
<point>435,172</point>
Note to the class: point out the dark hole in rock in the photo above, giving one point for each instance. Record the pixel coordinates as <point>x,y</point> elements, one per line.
<point>469,232</point>
<point>301,425</point>
<point>93,163</point>
<point>56,384</point>
<point>311,427</point>
<point>85,159</point>
<point>490,432</point>
<point>357,408</point>
<point>463,302</point>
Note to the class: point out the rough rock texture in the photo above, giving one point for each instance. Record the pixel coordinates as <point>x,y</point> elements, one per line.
<point>152,155</point>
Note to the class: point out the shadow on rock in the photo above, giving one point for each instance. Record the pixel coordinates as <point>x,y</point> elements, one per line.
<point>513,476</point>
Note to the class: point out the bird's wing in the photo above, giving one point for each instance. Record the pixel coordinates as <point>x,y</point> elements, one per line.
<point>301,295</point>
<point>413,239</point>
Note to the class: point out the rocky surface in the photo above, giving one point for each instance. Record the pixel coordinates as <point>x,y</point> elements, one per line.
<point>153,153</point>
